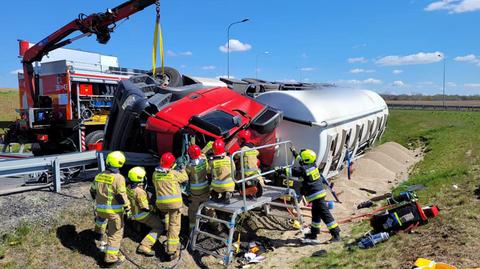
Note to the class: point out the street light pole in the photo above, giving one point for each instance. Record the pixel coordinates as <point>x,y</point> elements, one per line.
<point>444,73</point>
<point>256,62</point>
<point>228,43</point>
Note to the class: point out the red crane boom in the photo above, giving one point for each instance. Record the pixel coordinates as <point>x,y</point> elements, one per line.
<point>100,24</point>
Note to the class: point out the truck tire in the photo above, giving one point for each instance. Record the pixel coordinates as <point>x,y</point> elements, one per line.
<point>173,77</point>
<point>94,137</point>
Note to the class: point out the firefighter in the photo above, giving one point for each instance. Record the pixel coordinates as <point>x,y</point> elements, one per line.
<point>112,203</point>
<point>141,210</point>
<point>254,187</point>
<point>199,185</point>
<point>220,170</point>
<point>169,199</point>
<point>312,188</point>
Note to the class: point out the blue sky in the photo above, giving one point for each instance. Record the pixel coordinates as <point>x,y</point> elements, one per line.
<point>391,46</point>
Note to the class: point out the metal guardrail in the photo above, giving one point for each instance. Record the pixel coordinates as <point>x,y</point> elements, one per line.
<point>52,164</point>
<point>433,107</point>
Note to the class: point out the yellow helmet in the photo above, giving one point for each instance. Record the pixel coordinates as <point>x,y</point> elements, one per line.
<point>137,174</point>
<point>308,156</point>
<point>115,159</point>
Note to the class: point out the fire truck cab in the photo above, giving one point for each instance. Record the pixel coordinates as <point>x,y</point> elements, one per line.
<point>75,91</point>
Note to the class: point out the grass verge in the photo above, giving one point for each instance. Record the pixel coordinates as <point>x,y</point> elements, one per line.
<point>452,146</point>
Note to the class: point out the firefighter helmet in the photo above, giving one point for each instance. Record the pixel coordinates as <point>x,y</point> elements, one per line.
<point>194,151</point>
<point>167,160</point>
<point>308,156</point>
<point>115,159</point>
<point>137,174</point>
<point>218,147</point>
<point>245,135</point>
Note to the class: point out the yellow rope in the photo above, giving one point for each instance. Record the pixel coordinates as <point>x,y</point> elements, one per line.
<point>158,37</point>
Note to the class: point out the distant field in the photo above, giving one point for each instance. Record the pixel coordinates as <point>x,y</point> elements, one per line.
<point>8,103</point>
<point>437,103</point>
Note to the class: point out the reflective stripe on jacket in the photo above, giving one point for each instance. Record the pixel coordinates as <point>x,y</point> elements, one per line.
<point>250,161</point>
<point>167,188</point>
<point>139,202</point>
<point>312,186</point>
<point>220,169</point>
<point>197,175</point>
<point>108,186</point>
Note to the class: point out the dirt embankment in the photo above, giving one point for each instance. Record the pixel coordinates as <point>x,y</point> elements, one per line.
<point>64,238</point>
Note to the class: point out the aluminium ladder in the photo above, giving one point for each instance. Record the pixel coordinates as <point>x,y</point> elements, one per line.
<point>240,204</point>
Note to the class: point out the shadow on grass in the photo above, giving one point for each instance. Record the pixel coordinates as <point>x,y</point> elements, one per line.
<point>83,242</point>
<point>477,192</point>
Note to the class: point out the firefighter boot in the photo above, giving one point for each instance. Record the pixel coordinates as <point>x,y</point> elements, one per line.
<point>226,197</point>
<point>215,196</point>
<point>311,237</point>
<point>145,251</point>
<point>173,256</point>
<point>335,235</point>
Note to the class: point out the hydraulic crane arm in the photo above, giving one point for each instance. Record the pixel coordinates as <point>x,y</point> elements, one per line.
<point>100,24</point>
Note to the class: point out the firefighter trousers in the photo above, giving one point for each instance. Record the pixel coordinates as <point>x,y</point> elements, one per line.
<point>173,225</point>
<point>155,223</point>
<point>100,227</point>
<point>320,212</point>
<point>114,231</point>
<point>195,202</point>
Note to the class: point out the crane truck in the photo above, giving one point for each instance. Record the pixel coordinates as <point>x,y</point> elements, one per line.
<point>64,104</point>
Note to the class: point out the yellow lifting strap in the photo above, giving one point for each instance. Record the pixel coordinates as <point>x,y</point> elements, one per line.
<point>157,36</point>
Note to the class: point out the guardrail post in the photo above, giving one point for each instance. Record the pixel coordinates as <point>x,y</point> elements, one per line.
<point>56,175</point>
<point>101,162</point>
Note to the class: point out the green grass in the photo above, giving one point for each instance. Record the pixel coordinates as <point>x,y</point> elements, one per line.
<point>16,238</point>
<point>452,146</point>
<point>9,101</point>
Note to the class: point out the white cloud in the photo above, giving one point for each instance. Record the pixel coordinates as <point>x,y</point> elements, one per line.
<point>185,53</point>
<point>398,83</point>
<point>397,71</point>
<point>419,58</point>
<point>451,84</point>
<point>181,53</point>
<point>304,55</point>
<point>470,58</point>
<point>360,70</point>
<point>16,71</point>
<point>454,6</point>
<point>307,69</point>
<point>183,66</point>
<point>357,60</point>
<point>286,80</point>
<point>209,67</point>
<point>355,82</point>
<point>472,85</point>
<point>224,76</point>
<point>235,45</point>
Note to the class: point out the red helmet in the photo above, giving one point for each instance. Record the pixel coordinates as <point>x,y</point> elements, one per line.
<point>167,160</point>
<point>246,135</point>
<point>194,151</point>
<point>218,147</point>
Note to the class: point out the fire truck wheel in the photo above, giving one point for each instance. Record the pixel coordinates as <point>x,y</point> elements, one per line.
<point>172,78</point>
<point>94,137</point>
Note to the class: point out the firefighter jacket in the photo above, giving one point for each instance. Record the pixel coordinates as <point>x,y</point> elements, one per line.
<point>167,187</point>
<point>220,169</point>
<point>110,192</point>
<point>197,175</point>
<point>312,185</point>
<point>139,202</point>
<point>250,161</point>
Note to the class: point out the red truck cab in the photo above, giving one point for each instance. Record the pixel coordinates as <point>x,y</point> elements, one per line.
<point>149,118</point>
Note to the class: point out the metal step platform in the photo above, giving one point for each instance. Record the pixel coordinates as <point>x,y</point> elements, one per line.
<point>240,204</point>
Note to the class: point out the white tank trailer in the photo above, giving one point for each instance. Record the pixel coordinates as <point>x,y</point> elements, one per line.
<point>338,124</point>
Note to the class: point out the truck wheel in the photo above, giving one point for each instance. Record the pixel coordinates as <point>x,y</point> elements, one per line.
<point>172,78</point>
<point>94,137</point>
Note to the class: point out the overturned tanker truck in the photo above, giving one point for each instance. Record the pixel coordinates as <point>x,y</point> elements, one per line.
<point>149,119</point>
